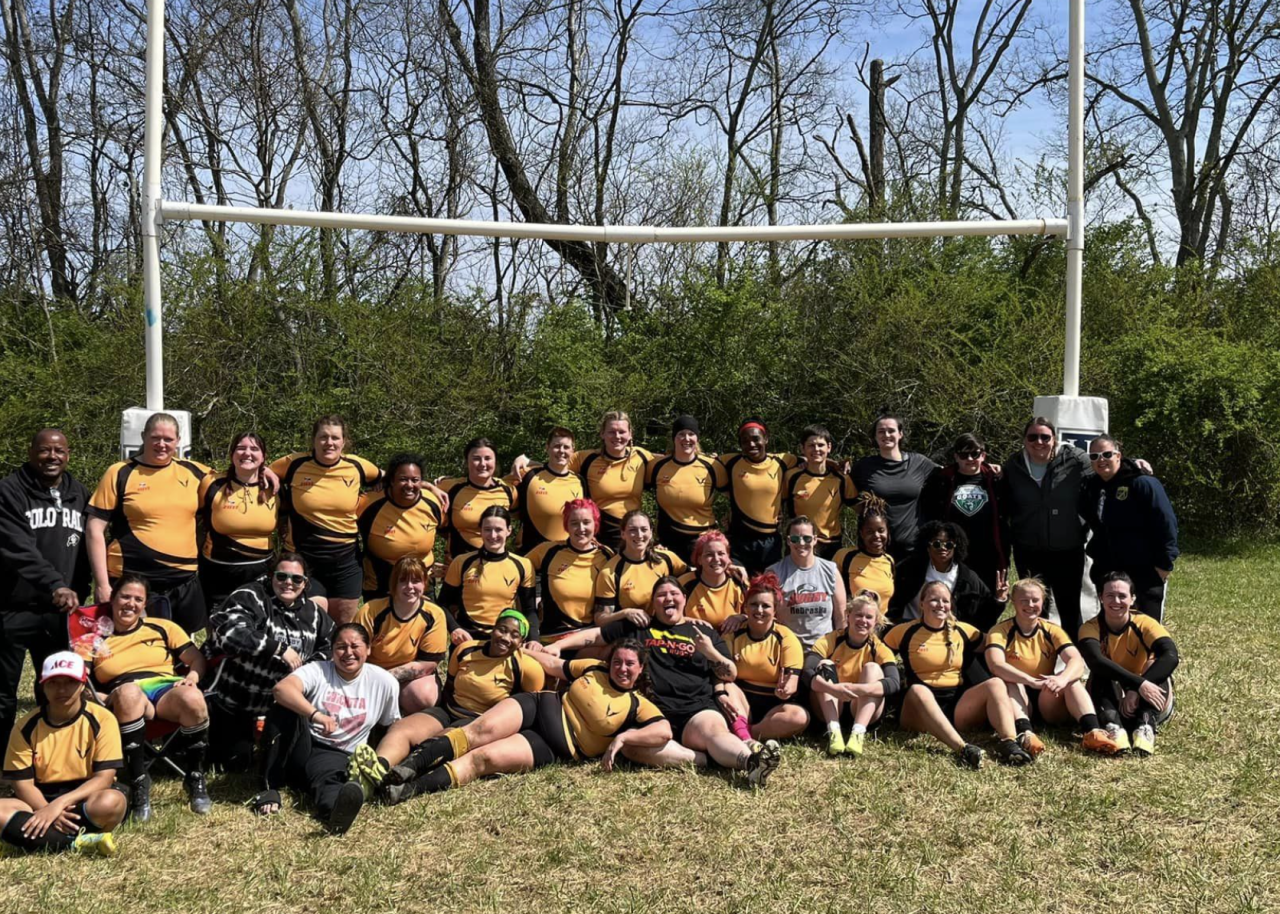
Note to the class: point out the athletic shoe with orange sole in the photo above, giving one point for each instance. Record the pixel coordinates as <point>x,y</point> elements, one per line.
<point>1031,743</point>
<point>1100,741</point>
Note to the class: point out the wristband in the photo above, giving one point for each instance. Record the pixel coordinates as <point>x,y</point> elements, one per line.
<point>312,716</point>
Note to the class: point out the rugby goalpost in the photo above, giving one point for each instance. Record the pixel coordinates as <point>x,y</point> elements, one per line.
<point>1078,417</point>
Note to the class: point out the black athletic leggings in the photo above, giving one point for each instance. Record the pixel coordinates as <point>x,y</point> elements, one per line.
<point>291,757</point>
<point>544,728</point>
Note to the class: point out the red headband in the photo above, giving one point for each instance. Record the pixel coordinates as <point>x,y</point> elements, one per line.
<point>746,425</point>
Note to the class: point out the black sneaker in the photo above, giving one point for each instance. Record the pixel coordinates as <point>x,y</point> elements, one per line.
<point>140,799</point>
<point>198,793</point>
<point>763,762</point>
<point>970,757</point>
<point>1013,754</point>
<point>346,807</point>
<point>426,757</point>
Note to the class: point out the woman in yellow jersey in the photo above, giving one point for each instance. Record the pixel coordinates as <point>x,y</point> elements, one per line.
<point>869,566</point>
<point>135,672</point>
<point>62,760</point>
<point>240,518</point>
<point>150,502</point>
<point>1022,652</point>
<point>471,495</point>
<point>600,714</point>
<point>481,674</point>
<point>851,673</point>
<point>624,586</point>
<point>818,489</point>
<point>754,483</point>
<point>684,484</point>
<point>321,497</point>
<point>408,634</point>
<point>713,593</point>
<point>399,521</point>
<point>542,493</point>
<point>481,584</point>
<point>1131,660</point>
<point>567,572</point>
<point>762,700</point>
<point>947,691</point>
<point>613,474</point>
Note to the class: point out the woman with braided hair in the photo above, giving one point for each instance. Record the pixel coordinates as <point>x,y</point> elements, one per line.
<point>947,691</point>
<point>869,566</point>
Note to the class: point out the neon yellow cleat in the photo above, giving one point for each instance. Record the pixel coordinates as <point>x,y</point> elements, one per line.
<point>102,844</point>
<point>835,743</point>
<point>855,744</point>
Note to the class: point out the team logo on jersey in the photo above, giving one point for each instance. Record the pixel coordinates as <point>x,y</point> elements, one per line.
<point>563,568</point>
<point>1122,493</point>
<point>508,581</point>
<point>390,531</point>
<point>970,499</point>
<point>541,490</point>
<point>184,482</point>
<point>143,485</point>
<point>228,504</point>
<point>73,540</point>
<point>307,481</point>
<point>348,482</point>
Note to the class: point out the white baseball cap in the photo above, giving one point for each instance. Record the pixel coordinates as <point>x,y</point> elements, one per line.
<point>64,663</point>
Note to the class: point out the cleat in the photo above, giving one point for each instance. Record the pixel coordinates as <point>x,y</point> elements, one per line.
<point>1013,754</point>
<point>762,763</point>
<point>346,807</point>
<point>140,799</point>
<point>835,743</point>
<point>1100,741</point>
<point>1144,740</point>
<point>101,844</point>
<point>366,769</point>
<point>855,743</point>
<point>970,757</point>
<point>395,794</point>
<point>198,793</point>
<point>1119,737</point>
<point>1030,743</point>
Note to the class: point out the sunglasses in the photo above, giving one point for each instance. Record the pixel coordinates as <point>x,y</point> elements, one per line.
<point>943,545</point>
<point>1105,455</point>
<point>1039,438</point>
<point>284,577</point>
<point>800,539</point>
<point>969,455</point>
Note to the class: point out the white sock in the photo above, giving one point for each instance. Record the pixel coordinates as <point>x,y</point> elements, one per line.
<point>833,727</point>
<point>858,728</point>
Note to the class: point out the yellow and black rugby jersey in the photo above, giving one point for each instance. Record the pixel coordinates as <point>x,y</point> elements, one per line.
<point>760,662</point>
<point>395,642</point>
<point>755,491</point>
<point>467,501</point>
<point>1035,654</point>
<point>321,501</point>
<point>1131,647</point>
<point>923,651</point>
<point>866,572</point>
<point>624,584</point>
<point>152,512</point>
<point>684,491</point>
<point>712,604</point>
<point>390,532</point>
<point>595,710</point>
<point>61,757</point>
<point>542,495</point>
<point>567,585</point>
<point>481,585</point>
<point>616,485</point>
<point>850,658</point>
<point>240,520</point>
<point>148,649</point>
<point>819,498</point>
<point>477,681</point>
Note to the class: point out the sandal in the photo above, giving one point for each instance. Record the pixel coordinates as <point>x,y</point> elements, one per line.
<point>263,803</point>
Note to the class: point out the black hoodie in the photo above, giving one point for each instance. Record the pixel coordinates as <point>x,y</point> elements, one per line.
<point>41,540</point>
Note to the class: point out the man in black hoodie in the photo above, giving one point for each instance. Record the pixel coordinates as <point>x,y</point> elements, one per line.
<point>44,571</point>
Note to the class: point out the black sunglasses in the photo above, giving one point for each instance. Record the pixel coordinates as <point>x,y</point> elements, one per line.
<point>800,539</point>
<point>285,578</point>
<point>1105,455</point>
<point>943,545</point>
<point>969,455</point>
<point>1039,439</point>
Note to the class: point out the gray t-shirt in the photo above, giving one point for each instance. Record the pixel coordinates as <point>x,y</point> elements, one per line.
<point>808,597</point>
<point>371,698</point>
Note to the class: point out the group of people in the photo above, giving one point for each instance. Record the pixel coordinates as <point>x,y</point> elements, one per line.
<point>597,632</point>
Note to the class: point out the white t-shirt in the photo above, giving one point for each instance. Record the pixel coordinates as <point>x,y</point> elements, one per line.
<point>947,577</point>
<point>358,705</point>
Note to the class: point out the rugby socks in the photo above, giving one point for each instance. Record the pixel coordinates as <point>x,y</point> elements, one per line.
<point>133,739</point>
<point>457,741</point>
<point>1089,722</point>
<point>193,743</point>
<point>52,840</point>
<point>1022,725</point>
<point>741,729</point>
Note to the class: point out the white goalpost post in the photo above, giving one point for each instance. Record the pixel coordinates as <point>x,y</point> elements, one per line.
<point>1078,417</point>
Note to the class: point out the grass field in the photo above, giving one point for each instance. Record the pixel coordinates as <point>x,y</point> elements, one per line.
<point>1195,828</point>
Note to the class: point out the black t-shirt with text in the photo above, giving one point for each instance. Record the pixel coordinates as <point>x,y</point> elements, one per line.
<point>681,677</point>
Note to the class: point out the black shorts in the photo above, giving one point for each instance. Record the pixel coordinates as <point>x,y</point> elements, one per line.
<point>681,720</point>
<point>449,717</point>
<point>677,541</point>
<point>761,704</point>
<point>181,601</point>
<point>947,700</point>
<point>755,551</point>
<point>78,807</point>
<point>827,550</point>
<point>340,575</point>
<point>610,533</point>
<point>543,727</point>
<point>218,579</point>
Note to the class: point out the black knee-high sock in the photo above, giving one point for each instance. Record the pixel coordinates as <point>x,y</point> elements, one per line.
<point>1022,725</point>
<point>133,738</point>
<point>1089,722</point>
<point>53,840</point>
<point>194,745</point>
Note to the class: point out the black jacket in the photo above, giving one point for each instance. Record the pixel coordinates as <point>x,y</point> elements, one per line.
<point>972,601</point>
<point>1134,527</point>
<point>1045,515</point>
<point>41,541</point>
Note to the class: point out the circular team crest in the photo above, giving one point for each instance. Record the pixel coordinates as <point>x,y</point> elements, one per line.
<point>970,499</point>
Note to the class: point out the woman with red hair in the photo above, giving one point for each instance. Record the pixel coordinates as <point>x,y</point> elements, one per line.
<point>762,700</point>
<point>712,594</point>
<point>567,572</point>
